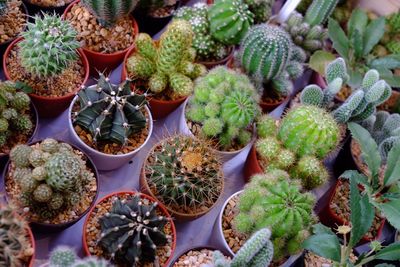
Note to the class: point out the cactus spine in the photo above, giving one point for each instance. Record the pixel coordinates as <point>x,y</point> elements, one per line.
<point>319,11</point>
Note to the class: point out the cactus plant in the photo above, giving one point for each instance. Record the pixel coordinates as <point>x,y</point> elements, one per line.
<point>184,174</point>
<point>63,256</point>
<point>225,105</point>
<point>319,11</point>
<point>274,201</point>
<point>54,43</point>
<point>262,9</point>
<point>230,20</point>
<point>110,112</point>
<point>168,65</point>
<point>55,181</point>
<point>108,12</point>
<point>132,230</point>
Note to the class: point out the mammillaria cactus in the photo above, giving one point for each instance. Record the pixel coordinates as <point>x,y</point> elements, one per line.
<point>225,104</point>
<point>108,12</point>
<point>132,230</point>
<point>66,257</point>
<point>54,43</point>
<point>230,20</point>
<point>262,9</point>
<point>274,200</point>
<point>168,65</point>
<point>111,112</point>
<point>184,174</point>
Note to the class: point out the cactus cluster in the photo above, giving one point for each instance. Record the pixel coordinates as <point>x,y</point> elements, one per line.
<point>273,200</point>
<point>132,231</point>
<point>108,12</point>
<point>14,112</point>
<point>262,9</point>
<point>184,174</point>
<point>51,177</point>
<point>225,104</point>
<point>110,112</point>
<point>168,65</point>
<point>15,246</point>
<point>66,257</point>
<point>48,47</point>
<point>269,57</point>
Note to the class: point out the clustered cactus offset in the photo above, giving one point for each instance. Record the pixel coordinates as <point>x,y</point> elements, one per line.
<point>132,231</point>
<point>51,177</point>
<point>184,174</point>
<point>66,257</point>
<point>111,112</point>
<point>225,104</point>
<point>168,64</point>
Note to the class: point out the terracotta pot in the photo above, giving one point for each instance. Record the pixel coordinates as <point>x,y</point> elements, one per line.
<point>252,166</point>
<point>195,248</point>
<point>100,61</point>
<point>49,227</point>
<point>37,9</point>
<point>32,239</point>
<point>160,206</point>
<point>48,107</point>
<point>224,61</point>
<point>159,108</point>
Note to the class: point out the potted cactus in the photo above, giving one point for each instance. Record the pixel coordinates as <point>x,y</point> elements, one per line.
<point>53,182</point>
<point>55,70</point>
<point>185,175</point>
<point>109,233</point>
<point>164,69</point>
<point>105,28</point>
<point>223,110</point>
<point>110,122</point>
<point>67,257</point>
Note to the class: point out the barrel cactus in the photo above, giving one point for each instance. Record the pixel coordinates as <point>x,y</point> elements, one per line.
<point>63,256</point>
<point>108,12</point>
<point>225,104</point>
<point>54,43</point>
<point>230,20</point>
<point>111,112</point>
<point>132,231</point>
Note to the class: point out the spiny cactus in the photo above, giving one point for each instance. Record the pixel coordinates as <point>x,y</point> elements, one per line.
<point>108,12</point>
<point>15,246</point>
<point>49,46</point>
<point>184,173</point>
<point>111,112</point>
<point>273,201</point>
<point>262,9</point>
<point>230,20</point>
<point>132,231</point>
<point>225,105</point>
<point>50,179</point>
<point>319,11</point>
<point>66,257</point>
<point>168,65</point>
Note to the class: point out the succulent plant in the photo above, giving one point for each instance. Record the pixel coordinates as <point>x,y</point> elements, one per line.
<point>319,11</point>
<point>63,256</point>
<point>111,112</point>
<point>272,200</point>
<point>184,174</point>
<point>49,46</point>
<point>108,12</point>
<point>132,231</point>
<point>230,20</point>
<point>15,246</point>
<point>168,65</point>
<point>225,104</point>
<point>262,9</point>
<point>50,179</point>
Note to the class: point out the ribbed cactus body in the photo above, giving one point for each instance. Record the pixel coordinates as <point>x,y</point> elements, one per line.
<point>262,9</point>
<point>319,11</point>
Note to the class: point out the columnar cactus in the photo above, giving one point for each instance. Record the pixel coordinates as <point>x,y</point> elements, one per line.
<point>319,11</point>
<point>168,65</point>
<point>108,12</point>
<point>262,9</point>
<point>184,174</point>
<point>273,201</point>
<point>66,257</point>
<point>225,104</point>
<point>132,230</point>
<point>230,20</point>
<point>110,112</point>
<point>51,177</point>
<point>49,46</point>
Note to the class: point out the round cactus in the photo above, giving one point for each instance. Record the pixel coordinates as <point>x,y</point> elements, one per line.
<point>19,155</point>
<point>42,193</point>
<point>62,257</point>
<point>20,101</point>
<point>49,145</point>
<point>63,171</point>
<point>311,172</point>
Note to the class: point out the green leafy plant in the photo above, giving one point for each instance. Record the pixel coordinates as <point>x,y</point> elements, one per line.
<point>111,112</point>
<point>389,43</point>
<point>63,256</point>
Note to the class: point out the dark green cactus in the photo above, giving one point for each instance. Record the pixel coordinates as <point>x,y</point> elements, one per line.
<point>132,231</point>
<point>262,9</point>
<point>111,112</point>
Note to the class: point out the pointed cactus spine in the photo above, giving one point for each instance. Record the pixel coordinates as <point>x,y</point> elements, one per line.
<point>319,11</point>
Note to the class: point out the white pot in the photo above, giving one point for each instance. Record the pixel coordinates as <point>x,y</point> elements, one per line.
<point>103,161</point>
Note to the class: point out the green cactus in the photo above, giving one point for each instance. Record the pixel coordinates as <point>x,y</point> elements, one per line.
<point>225,104</point>
<point>108,12</point>
<point>63,171</point>
<point>19,155</point>
<point>63,256</point>
<point>113,121</point>
<point>230,20</point>
<point>132,231</point>
<point>319,11</point>
<point>55,45</point>
<point>274,201</point>
<point>184,173</point>
<point>262,9</point>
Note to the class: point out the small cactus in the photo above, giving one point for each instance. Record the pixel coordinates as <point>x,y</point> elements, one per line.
<point>66,257</point>
<point>319,11</point>
<point>262,9</point>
